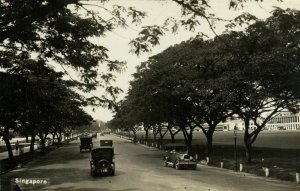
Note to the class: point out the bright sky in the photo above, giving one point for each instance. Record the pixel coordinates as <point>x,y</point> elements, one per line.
<point>157,11</point>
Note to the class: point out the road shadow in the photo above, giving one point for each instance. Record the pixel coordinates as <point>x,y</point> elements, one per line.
<point>89,189</point>
<point>65,156</point>
<point>151,155</point>
<point>55,176</point>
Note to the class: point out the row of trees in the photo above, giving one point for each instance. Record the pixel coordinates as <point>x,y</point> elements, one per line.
<point>38,39</point>
<point>37,102</point>
<point>251,74</point>
<point>37,35</point>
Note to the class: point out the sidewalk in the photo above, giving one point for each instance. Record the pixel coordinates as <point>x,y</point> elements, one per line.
<point>4,155</point>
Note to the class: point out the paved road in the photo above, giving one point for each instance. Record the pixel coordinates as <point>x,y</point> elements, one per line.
<point>137,168</point>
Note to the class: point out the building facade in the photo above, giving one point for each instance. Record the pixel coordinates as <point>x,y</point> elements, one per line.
<point>284,121</point>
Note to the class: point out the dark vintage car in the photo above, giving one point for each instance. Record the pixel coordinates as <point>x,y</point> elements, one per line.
<point>94,135</point>
<point>86,143</point>
<point>176,156</point>
<point>102,161</point>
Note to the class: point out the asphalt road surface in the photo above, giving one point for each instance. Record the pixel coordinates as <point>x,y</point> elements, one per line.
<point>137,168</point>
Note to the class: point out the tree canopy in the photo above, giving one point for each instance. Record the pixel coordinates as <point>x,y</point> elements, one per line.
<point>251,74</point>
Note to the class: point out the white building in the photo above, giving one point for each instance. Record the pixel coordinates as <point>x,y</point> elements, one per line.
<point>284,121</point>
<point>240,125</point>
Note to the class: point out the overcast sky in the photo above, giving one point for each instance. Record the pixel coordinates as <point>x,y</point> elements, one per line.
<point>157,11</point>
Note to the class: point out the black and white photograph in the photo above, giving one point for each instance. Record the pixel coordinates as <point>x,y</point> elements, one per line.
<point>150,95</point>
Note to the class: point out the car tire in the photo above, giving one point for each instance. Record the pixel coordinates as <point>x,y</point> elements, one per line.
<point>165,163</point>
<point>113,172</point>
<point>93,173</point>
<point>177,165</point>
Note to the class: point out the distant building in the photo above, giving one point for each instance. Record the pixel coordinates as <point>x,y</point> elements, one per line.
<point>239,125</point>
<point>284,121</point>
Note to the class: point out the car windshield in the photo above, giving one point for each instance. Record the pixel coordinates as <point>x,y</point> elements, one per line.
<point>103,152</point>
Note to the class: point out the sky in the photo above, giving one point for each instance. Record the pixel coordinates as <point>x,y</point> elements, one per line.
<point>157,11</point>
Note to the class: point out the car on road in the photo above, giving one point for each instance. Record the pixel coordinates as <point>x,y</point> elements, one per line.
<point>176,155</point>
<point>94,135</point>
<point>86,143</point>
<point>102,161</point>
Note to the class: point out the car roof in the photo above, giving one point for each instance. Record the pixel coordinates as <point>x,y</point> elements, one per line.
<point>86,137</point>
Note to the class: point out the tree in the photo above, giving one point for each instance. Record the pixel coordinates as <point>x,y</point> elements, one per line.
<point>10,101</point>
<point>264,71</point>
<point>195,74</point>
<point>193,14</point>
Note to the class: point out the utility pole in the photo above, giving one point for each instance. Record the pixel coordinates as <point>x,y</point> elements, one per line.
<point>235,152</point>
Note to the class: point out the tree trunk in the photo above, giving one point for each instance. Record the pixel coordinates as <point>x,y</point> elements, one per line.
<point>59,138</point>
<point>209,140</point>
<point>172,137</point>
<point>190,138</point>
<point>154,136</point>
<point>32,141</point>
<point>53,138</point>
<point>247,142</point>
<point>43,146</point>
<point>7,143</point>
<point>134,137</point>
<point>248,150</point>
<point>147,134</point>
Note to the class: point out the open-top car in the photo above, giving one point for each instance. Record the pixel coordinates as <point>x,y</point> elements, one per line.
<point>176,155</point>
<point>102,161</point>
<point>86,143</point>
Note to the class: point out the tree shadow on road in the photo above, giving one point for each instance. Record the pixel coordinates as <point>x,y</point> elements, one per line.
<point>89,189</point>
<point>56,176</point>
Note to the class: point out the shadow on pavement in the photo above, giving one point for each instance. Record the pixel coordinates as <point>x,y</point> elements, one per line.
<point>89,189</point>
<point>55,176</point>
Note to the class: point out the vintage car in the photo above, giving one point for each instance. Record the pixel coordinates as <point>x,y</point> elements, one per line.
<point>176,156</point>
<point>94,135</point>
<point>102,161</point>
<point>86,143</point>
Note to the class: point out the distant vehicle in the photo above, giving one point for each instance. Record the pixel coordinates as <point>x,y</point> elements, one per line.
<point>176,156</point>
<point>86,143</point>
<point>102,161</point>
<point>106,143</point>
<point>281,128</point>
<point>94,135</point>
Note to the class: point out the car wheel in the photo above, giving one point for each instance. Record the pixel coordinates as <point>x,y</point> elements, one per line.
<point>93,173</point>
<point>113,172</point>
<point>165,163</point>
<point>177,165</point>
